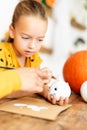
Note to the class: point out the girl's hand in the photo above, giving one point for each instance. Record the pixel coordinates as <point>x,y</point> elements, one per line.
<point>52,99</point>
<point>45,75</point>
<point>31,81</point>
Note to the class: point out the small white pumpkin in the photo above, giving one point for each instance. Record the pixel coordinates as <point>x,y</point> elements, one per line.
<point>60,88</point>
<point>83,91</point>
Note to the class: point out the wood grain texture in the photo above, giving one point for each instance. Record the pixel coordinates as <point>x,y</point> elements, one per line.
<point>74,118</point>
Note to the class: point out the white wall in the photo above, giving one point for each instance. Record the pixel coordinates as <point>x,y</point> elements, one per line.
<point>6,11</point>
<point>64,34</point>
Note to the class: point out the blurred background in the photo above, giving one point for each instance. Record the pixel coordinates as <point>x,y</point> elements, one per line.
<point>66,34</point>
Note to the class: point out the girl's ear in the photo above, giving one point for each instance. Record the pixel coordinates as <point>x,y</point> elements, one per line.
<point>11,31</point>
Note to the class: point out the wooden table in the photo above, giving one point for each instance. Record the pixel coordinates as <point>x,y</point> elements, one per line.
<point>74,118</point>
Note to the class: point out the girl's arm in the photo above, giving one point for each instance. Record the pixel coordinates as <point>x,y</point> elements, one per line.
<point>9,81</point>
<point>24,79</point>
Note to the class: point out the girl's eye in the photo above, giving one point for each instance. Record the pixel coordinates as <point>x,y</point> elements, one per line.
<point>25,37</point>
<point>40,40</point>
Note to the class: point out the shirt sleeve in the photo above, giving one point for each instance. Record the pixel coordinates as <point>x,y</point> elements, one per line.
<point>10,81</point>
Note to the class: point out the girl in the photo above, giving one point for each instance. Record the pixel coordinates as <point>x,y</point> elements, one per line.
<point>26,35</point>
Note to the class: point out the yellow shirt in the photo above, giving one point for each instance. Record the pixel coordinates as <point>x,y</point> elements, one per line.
<point>8,59</point>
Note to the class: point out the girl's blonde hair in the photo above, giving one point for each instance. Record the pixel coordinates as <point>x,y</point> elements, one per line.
<point>28,7</point>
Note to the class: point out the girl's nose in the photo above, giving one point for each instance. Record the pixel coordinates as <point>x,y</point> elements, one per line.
<point>31,44</point>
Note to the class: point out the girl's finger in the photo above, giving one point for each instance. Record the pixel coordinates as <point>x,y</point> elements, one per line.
<point>61,101</point>
<point>53,100</point>
<point>66,101</point>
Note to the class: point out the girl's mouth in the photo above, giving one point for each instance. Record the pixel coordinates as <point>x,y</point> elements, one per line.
<point>29,52</point>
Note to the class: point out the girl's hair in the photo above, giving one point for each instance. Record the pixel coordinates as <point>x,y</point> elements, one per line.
<point>28,8</point>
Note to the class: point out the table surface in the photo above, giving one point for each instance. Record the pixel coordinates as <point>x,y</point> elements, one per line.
<point>74,118</point>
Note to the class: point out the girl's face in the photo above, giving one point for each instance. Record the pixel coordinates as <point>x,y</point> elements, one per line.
<point>28,35</point>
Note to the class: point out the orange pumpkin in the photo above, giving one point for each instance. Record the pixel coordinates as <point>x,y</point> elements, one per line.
<point>50,3</point>
<point>75,70</point>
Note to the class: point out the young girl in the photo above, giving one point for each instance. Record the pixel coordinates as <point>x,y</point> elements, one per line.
<point>26,35</point>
